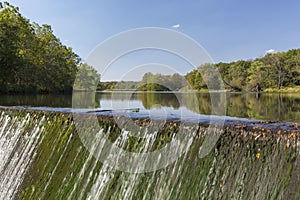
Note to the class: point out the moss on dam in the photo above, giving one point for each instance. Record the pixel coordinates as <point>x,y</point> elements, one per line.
<point>43,157</point>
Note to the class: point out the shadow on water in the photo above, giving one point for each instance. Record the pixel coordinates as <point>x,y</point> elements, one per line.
<point>47,100</point>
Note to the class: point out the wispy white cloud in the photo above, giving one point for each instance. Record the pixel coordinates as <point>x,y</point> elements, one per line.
<point>176,26</point>
<point>270,51</point>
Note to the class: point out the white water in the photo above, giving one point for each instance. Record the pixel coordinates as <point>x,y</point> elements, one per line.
<point>130,181</point>
<point>106,174</point>
<point>86,178</point>
<point>17,150</point>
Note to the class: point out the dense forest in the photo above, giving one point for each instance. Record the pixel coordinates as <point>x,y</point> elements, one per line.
<point>277,71</point>
<point>272,72</point>
<point>32,58</point>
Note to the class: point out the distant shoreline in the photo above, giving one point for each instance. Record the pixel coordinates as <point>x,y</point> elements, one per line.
<point>268,90</point>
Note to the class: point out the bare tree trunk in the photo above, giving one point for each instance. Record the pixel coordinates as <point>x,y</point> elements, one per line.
<point>233,87</point>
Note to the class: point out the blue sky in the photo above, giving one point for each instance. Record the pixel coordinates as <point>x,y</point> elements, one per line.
<point>229,30</point>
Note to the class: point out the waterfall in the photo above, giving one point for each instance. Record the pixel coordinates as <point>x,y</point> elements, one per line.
<point>42,156</point>
<point>17,151</point>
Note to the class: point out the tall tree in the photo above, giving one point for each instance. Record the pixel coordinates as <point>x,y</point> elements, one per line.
<point>32,58</point>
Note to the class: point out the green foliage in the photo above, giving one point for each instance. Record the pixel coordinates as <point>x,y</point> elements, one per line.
<point>87,78</point>
<point>273,71</point>
<point>195,80</point>
<point>278,70</point>
<point>211,76</point>
<point>149,82</point>
<point>32,58</point>
<point>256,75</point>
<point>110,85</point>
<point>153,87</point>
<point>159,82</point>
<point>121,85</point>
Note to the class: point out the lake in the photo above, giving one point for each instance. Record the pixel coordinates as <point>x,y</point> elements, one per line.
<point>264,106</point>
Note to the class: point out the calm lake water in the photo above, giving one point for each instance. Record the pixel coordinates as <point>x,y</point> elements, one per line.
<point>275,107</point>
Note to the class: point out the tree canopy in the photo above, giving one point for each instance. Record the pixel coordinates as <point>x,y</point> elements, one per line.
<point>272,71</point>
<point>32,58</point>
<point>277,70</point>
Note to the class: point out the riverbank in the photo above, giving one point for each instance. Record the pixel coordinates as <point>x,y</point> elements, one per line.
<point>267,90</point>
<point>283,90</point>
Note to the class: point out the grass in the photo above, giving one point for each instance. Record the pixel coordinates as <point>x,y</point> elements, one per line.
<point>285,89</point>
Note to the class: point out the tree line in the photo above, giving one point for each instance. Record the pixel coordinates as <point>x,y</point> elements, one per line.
<point>278,70</point>
<point>270,72</point>
<point>32,58</point>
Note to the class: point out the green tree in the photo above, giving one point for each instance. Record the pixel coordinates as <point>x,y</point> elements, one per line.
<point>278,69</point>
<point>292,62</point>
<point>32,58</point>
<point>87,78</point>
<point>195,80</point>
<point>211,77</point>
<point>15,33</point>
<point>256,76</point>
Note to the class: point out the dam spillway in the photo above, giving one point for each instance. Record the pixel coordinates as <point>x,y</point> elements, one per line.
<point>43,157</point>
